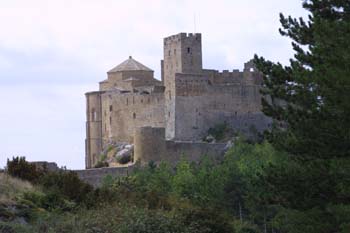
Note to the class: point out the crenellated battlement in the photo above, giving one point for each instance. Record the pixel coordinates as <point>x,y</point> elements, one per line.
<point>182,36</point>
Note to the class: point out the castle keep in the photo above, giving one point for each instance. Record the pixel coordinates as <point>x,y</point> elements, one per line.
<point>160,117</point>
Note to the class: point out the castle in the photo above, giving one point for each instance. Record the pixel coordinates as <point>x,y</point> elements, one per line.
<point>161,116</point>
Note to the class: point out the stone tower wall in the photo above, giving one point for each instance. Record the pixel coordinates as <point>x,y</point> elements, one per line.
<point>182,54</point>
<point>123,112</point>
<point>93,141</point>
<point>149,144</point>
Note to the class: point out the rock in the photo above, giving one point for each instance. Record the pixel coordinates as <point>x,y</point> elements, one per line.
<point>209,139</point>
<point>129,147</point>
<point>229,144</point>
<point>124,156</point>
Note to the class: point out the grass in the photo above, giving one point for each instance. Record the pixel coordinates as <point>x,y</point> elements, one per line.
<point>10,188</point>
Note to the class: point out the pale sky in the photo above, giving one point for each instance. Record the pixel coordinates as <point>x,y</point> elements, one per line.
<point>53,51</point>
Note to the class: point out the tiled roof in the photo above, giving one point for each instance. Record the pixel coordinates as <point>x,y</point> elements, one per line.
<point>129,65</point>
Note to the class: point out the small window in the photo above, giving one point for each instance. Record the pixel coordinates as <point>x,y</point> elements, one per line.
<point>110,108</point>
<point>141,100</point>
<point>93,115</point>
<point>188,50</point>
<point>127,101</point>
<point>134,115</point>
<point>168,114</point>
<point>110,120</point>
<point>174,51</point>
<point>169,52</point>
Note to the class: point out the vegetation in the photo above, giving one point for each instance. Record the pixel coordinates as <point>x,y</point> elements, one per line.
<point>100,164</point>
<point>296,181</point>
<point>309,101</point>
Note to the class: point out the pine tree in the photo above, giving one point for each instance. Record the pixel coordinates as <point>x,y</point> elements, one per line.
<point>309,101</point>
<point>311,96</point>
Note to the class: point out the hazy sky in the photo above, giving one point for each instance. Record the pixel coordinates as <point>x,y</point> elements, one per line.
<point>52,52</point>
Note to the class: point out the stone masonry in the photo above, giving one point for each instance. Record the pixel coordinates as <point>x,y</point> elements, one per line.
<point>176,112</point>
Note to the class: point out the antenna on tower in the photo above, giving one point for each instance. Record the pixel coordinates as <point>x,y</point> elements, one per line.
<point>194,21</point>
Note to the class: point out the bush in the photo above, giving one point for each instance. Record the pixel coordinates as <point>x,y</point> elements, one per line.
<point>101,164</point>
<point>20,168</point>
<point>219,131</point>
<point>67,184</point>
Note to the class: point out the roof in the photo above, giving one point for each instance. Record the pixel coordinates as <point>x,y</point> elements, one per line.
<point>130,65</point>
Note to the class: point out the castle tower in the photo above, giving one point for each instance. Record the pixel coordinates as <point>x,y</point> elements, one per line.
<point>182,54</point>
<point>93,141</point>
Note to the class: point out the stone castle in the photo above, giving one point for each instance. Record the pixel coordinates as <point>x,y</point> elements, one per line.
<point>167,117</point>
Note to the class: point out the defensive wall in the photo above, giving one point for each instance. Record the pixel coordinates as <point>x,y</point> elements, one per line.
<point>150,145</point>
<point>94,176</point>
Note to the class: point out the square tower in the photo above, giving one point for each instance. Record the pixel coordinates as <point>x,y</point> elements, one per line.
<point>182,54</point>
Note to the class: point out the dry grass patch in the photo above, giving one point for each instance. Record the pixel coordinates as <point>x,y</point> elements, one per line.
<point>11,187</point>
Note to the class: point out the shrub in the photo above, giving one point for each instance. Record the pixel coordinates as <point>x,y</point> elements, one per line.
<point>218,131</point>
<point>68,184</point>
<point>101,164</point>
<point>20,168</point>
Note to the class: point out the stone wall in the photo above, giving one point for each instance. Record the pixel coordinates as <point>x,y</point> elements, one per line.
<point>123,112</point>
<point>95,176</point>
<point>201,104</point>
<point>150,145</point>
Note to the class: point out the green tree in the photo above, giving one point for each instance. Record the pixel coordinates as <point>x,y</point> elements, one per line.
<point>310,103</point>
<point>311,95</point>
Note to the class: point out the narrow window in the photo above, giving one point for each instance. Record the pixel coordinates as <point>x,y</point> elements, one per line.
<point>149,100</point>
<point>134,115</point>
<point>169,52</point>
<point>127,101</point>
<point>188,50</point>
<point>174,51</point>
<point>93,115</point>
<point>168,114</point>
<point>141,100</point>
<point>110,120</point>
<point>110,108</point>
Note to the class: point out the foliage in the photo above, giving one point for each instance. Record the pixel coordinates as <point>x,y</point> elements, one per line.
<point>309,102</point>
<point>100,164</point>
<point>67,184</point>
<point>311,95</point>
<point>20,168</point>
<point>218,131</point>
<point>11,188</point>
